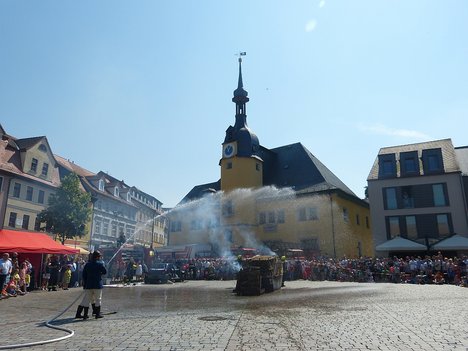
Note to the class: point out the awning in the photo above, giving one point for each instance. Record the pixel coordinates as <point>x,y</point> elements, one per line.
<point>83,251</point>
<point>400,244</point>
<point>31,242</point>
<point>455,242</point>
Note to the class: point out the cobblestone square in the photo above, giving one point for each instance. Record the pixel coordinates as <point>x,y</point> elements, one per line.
<point>206,315</point>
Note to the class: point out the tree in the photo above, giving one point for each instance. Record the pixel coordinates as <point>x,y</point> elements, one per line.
<point>68,210</point>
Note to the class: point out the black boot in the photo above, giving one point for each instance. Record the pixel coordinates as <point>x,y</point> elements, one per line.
<point>93,305</point>
<point>78,312</point>
<point>98,312</point>
<point>85,315</point>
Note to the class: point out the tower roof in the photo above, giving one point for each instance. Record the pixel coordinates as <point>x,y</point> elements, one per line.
<point>240,95</point>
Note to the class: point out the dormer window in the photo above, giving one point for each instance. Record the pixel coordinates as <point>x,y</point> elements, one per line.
<point>45,169</point>
<point>43,148</point>
<point>432,161</point>
<point>409,163</point>
<point>387,166</point>
<point>116,192</point>
<point>101,184</point>
<point>34,163</point>
<point>129,197</point>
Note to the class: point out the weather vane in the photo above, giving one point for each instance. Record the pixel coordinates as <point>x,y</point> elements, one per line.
<point>240,54</point>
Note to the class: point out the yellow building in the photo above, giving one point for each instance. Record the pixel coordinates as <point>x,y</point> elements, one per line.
<point>279,200</point>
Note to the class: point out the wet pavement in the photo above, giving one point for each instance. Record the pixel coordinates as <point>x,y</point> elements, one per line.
<point>201,315</point>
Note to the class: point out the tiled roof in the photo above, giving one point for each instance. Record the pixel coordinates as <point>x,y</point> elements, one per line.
<point>448,155</point>
<point>26,143</point>
<point>73,167</point>
<point>287,166</point>
<point>10,161</point>
<point>295,166</point>
<point>201,190</point>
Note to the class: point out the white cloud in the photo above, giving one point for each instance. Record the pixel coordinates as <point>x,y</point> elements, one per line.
<point>322,3</point>
<point>310,26</point>
<point>381,129</point>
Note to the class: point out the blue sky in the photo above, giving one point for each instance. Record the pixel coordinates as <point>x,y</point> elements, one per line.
<point>142,89</point>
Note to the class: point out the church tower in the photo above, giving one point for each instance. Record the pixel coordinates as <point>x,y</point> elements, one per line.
<point>241,165</point>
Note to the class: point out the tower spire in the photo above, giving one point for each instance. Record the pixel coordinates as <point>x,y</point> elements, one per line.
<point>240,95</point>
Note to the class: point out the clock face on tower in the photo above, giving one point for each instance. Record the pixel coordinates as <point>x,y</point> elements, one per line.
<point>229,150</point>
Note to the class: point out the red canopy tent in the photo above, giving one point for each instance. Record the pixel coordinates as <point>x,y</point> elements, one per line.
<point>31,242</point>
<point>32,246</point>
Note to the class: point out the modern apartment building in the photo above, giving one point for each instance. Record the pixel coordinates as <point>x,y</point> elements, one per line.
<point>418,198</point>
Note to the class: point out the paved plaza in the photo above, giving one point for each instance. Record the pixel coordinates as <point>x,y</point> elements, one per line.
<point>206,315</point>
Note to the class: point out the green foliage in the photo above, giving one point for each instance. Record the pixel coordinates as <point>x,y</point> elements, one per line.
<point>68,210</point>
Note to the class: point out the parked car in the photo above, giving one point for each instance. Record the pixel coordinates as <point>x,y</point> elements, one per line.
<point>162,273</point>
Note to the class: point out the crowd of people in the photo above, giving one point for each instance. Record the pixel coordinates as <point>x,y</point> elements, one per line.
<point>19,276</point>
<point>435,269</point>
<point>64,272</point>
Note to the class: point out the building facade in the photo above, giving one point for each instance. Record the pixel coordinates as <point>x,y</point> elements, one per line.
<point>272,199</point>
<point>418,193</point>
<point>28,175</point>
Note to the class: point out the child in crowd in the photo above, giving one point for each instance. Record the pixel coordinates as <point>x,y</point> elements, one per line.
<point>66,277</point>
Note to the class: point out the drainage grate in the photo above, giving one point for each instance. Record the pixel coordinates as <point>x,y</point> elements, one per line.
<point>212,318</point>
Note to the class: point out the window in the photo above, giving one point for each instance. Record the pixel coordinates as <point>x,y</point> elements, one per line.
<point>229,165</point>
<point>12,220</point>
<point>281,216</point>
<point>313,216</point>
<point>40,197</point>
<point>411,229</point>
<point>1,183</point>
<point>307,213</point>
<point>105,227</point>
<point>409,163</point>
<point>393,227</point>
<point>432,161</point>
<point>407,197</point>
<point>34,163</point>
<point>228,209</point>
<point>43,148</point>
<point>196,224</point>
<point>97,226</point>
<point>261,218</point>
<point>25,222</point>
<point>116,192</point>
<point>357,220</point>
<point>114,229</point>
<point>438,192</point>
<point>29,193</point>
<point>45,169</point>
<point>271,217</point>
<point>17,190</point>
<point>301,216</point>
<point>228,235</point>
<point>345,214</point>
<point>37,225</point>
<point>387,166</point>
<point>257,166</point>
<point>101,185</point>
<point>176,226</point>
<point>390,198</point>
<point>367,222</point>
<point>129,198</point>
<point>443,224</point>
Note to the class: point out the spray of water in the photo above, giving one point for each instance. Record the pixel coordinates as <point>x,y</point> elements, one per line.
<point>214,214</point>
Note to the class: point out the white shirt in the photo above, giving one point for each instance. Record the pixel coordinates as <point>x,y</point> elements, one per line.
<point>5,266</point>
